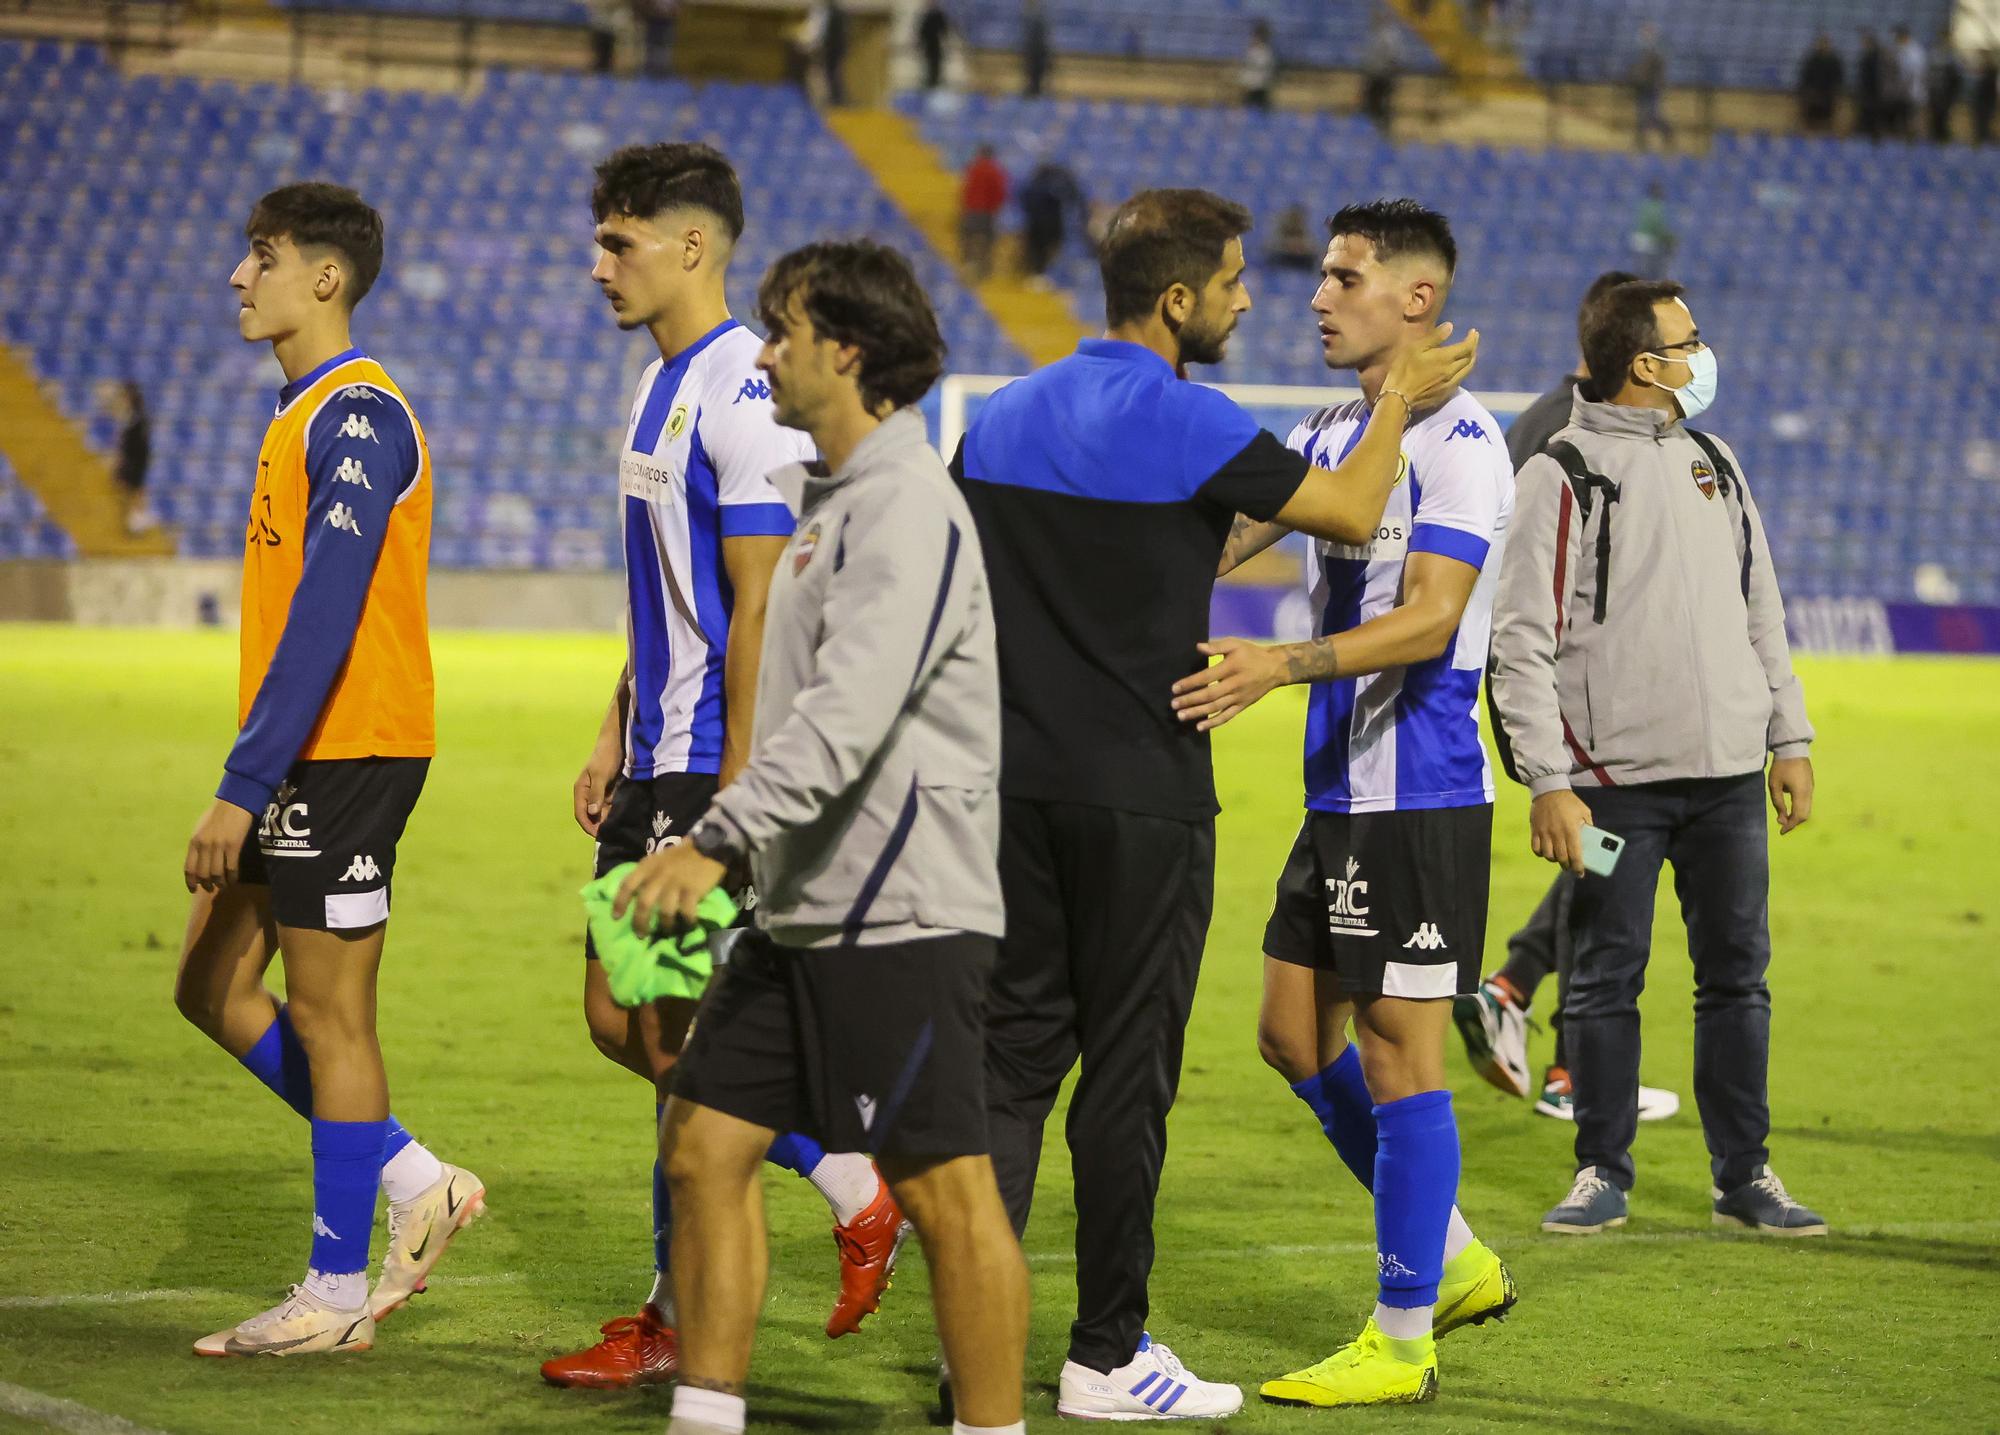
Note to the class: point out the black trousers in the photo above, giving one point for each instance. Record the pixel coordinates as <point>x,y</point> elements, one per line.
<point>1543,947</point>
<point>1107,912</point>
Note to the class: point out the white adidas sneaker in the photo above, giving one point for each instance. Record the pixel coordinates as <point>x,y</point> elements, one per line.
<point>419,1231</point>
<point>300,1324</point>
<point>1153,1385</point>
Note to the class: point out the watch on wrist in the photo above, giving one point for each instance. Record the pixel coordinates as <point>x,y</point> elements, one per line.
<point>712,840</point>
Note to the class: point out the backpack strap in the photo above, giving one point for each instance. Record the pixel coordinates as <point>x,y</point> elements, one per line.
<point>1585,484</point>
<point>1734,489</point>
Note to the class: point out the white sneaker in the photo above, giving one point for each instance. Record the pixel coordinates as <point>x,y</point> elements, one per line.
<point>301,1324</point>
<point>1656,1104</point>
<point>1153,1385</point>
<point>419,1231</point>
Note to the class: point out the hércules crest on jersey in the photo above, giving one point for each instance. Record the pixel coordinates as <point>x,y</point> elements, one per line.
<point>677,421</point>
<point>802,550</point>
<point>1704,477</point>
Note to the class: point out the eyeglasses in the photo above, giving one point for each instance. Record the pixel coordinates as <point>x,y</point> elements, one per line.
<point>1689,344</point>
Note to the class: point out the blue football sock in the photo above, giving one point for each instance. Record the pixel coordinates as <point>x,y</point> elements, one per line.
<point>1416,1185</point>
<point>347,1173</point>
<point>797,1154</point>
<point>663,1206</point>
<point>279,1061</point>
<point>1339,1097</point>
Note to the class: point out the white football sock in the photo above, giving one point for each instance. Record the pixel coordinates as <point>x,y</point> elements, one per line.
<point>348,1291</point>
<point>959,1427</point>
<point>1457,1236</point>
<point>1399,1323</point>
<point>697,1412</point>
<point>662,1298</point>
<point>849,1181</point>
<point>410,1172</point>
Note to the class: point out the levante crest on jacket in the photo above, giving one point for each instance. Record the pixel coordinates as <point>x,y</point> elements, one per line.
<point>1704,477</point>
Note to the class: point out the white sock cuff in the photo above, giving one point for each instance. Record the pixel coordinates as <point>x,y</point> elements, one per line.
<point>410,1172</point>
<point>1400,1323</point>
<point>710,1407</point>
<point>959,1427</point>
<point>1457,1236</point>
<point>850,1183</point>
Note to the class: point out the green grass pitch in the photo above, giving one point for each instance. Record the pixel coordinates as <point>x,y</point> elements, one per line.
<point>135,1158</point>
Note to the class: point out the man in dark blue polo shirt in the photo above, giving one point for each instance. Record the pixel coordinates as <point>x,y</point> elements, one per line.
<point>1104,487</point>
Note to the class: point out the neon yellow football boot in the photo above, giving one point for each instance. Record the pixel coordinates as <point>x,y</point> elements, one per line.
<point>1476,1287</point>
<point>1374,1370</point>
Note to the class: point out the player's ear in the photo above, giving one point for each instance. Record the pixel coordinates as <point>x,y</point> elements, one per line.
<point>1422,299</point>
<point>1176,304</point>
<point>693,246</point>
<point>326,283</point>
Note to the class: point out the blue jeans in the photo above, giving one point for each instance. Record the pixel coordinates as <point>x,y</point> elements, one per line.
<point>1713,832</point>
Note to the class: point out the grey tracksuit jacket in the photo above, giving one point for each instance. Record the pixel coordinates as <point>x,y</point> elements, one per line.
<point>870,804</point>
<point>1672,664</point>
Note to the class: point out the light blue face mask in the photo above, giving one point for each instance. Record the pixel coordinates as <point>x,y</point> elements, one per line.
<point>1699,391</point>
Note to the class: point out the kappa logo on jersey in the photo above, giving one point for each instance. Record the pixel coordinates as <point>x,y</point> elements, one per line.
<point>286,830</point>
<point>361,869</point>
<point>361,391</point>
<point>1347,904</point>
<point>357,426</point>
<point>752,389</point>
<point>802,551</point>
<point>260,530</point>
<point>351,471</point>
<point>1704,477</point>
<point>1425,938</point>
<point>677,421</point>
<point>342,517</point>
<point>1465,428</point>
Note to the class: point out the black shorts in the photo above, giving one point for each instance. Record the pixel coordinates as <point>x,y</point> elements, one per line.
<point>648,813</point>
<point>326,845</point>
<point>1393,902</point>
<point>876,1049</point>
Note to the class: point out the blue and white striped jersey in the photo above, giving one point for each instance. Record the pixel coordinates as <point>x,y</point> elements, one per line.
<point>695,470</point>
<point>1408,737</point>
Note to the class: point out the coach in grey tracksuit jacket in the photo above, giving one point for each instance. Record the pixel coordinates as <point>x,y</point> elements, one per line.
<point>870,803</point>
<point>1639,657</point>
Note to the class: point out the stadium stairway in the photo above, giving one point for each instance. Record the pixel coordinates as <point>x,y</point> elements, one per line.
<point>1444,26</point>
<point>1040,322</point>
<point>53,459</point>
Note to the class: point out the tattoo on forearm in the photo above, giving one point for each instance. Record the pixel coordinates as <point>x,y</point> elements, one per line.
<point>1311,662</point>
<point>1239,532</point>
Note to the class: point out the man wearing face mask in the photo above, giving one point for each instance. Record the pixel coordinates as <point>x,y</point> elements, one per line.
<point>1641,680</point>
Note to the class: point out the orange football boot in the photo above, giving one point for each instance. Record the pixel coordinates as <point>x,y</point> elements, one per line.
<point>637,1349</point>
<point>868,1246</point>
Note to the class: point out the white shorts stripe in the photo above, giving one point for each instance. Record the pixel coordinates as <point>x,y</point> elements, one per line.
<point>1405,979</point>
<point>346,910</point>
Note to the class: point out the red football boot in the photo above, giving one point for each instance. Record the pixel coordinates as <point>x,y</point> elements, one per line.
<point>868,1246</point>
<point>637,1349</point>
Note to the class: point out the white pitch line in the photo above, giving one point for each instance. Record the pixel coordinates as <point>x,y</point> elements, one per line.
<point>195,1293</point>
<point>65,1414</point>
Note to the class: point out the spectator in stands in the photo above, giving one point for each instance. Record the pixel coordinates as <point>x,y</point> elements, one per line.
<point>1293,245</point>
<point>1909,79</point>
<point>1985,97</point>
<point>1035,53</point>
<point>1821,79</point>
<point>980,200</point>
<point>1648,78</point>
<point>656,22</point>
<point>605,18</point>
<point>933,30</point>
<point>831,49</point>
<point>1048,199</point>
<point>1258,74</point>
<point>1871,88</point>
<point>1380,67</point>
<point>125,401</point>
<point>1946,84</point>
<point>1653,238</point>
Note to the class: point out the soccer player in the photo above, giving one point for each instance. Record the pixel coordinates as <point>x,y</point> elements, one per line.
<point>702,528</point>
<point>1104,487</point>
<point>1380,914</point>
<point>334,700</point>
<point>870,814</point>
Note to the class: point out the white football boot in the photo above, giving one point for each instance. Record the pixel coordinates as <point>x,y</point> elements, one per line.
<point>419,1231</point>
<point>300,1324</point>
<point>1153,1385</point>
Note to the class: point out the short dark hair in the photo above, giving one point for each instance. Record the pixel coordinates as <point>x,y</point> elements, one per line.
<point>859,292</point>
<point>643,180</point>
<point>1618,327</point>
<point>1600,286</point>
<point>1162,237</point>
<point>1397,227</point>
<point>315,215</point>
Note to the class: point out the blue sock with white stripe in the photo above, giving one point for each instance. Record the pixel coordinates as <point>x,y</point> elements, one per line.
<point>347,1174</point>
<point>1416,1184</point>
<point>279,1061</point>
<point>1339,1097</point>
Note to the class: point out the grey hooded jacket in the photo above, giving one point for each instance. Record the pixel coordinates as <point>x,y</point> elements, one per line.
<point>870,805</point>
<point>1671,664</point>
